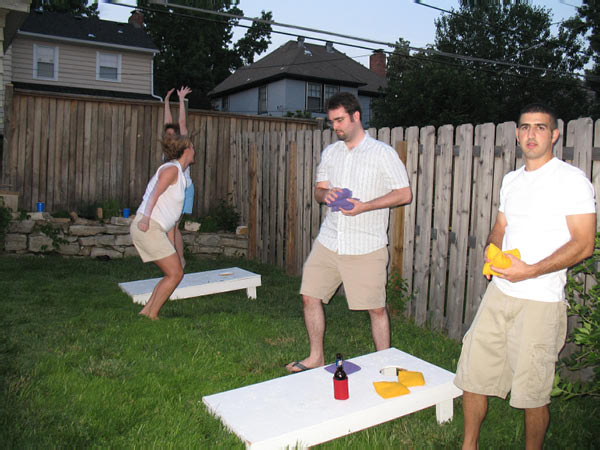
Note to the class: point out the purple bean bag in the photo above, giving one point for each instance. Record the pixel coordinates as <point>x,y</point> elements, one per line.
<point>342,201</point>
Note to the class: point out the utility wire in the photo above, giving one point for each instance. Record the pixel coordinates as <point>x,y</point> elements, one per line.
<point>388,44</point>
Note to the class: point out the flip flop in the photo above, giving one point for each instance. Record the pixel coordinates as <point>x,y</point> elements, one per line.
<point>298,365</point>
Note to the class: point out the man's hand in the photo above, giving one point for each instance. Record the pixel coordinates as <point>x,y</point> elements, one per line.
<point>181,93</point>
<point>359,207</point>
<point>518,271</point>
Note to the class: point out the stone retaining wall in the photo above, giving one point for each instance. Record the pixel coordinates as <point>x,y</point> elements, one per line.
<point>41,233</point>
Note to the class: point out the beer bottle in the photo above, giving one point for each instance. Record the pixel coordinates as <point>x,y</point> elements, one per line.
<point>340,380</point>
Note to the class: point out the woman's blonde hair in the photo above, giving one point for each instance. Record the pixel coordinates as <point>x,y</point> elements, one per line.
<point>174,145</point>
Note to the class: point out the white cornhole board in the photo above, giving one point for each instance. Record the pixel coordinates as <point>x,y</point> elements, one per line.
<point>197,284</point>
<point>299,410</point>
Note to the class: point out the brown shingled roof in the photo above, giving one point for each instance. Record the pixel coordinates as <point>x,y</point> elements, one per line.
<point>303,61</point>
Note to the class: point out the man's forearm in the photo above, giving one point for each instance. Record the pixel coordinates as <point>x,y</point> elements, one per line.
<point>397,197</point>
<point>566,256</point>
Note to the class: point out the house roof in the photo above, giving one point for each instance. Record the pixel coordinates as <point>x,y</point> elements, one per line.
<point>300,60</point>
<point>88,29</point>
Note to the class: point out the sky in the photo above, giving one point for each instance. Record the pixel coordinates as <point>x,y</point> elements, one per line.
<point>382,20</point>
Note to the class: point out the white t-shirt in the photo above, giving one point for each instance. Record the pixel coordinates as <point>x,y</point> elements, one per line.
<point>370,170</point>
<point>535,205</point>
<point>169,205</point>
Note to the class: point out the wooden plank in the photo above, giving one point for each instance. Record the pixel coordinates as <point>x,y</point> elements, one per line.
<point>116,152</point>
<point>86,150</point>
<point>199,174</point>
<point>410,217</point>
<point>11,139</point>
<point>211,159</point>
<point>300,154</point>
<point>253,193</point>
<point>80,123</point>
<point>441,224</point>
<point>558,145</point>
<point>315,208</point>
<point>481,218</point>
<point>145,150</point>
<point>307,195</point>
<point>100,149</point>
<point>582,156</point>
<point>9,134</point>
<point>72,145</point>
<point>122,153</point>
<point>281,198</point>
<point>234,174</point>
<point>424,216</point>
<point>23,181</point>
<point>459,246</point>
<point>245,189</point>
<point>396,234</point>
<point>292,216</point>
<point>596,172</point>
<point>134,200</point>
<point>93,153</point>
<point>257,212</point>
<point>43,154</point>
<point>125,197</point>
<point>265,168</point>
<point>50,180</point>
<point>65,154</point>
<point>36,128</point>
<point>273,189</point>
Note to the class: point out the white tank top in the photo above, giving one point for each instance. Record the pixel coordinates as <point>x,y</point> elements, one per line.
<point>169,205</point>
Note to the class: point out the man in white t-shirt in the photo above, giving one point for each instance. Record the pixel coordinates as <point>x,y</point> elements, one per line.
<point>351,245</point>
<point>547,211</point>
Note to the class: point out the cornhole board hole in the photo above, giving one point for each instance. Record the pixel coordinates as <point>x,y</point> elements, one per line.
<point>197,284</point>
<point>299,410</point>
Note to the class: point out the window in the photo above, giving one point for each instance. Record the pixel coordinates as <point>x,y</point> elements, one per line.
<point>108,66</point>
<point>262,99</point>
<point>45,62</point>
<point>313,97</point>
<point>225,103</point>
<point>330,90</point>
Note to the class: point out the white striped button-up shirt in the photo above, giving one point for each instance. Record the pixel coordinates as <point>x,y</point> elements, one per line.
<point>370,170</point>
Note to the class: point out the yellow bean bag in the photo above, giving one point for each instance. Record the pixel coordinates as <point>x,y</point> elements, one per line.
<point>499,259</point>
<point>406,379</point>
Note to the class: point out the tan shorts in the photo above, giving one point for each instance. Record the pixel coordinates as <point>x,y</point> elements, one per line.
<point>364,276</point>
<point>153,244</point>
<point>512,345</point>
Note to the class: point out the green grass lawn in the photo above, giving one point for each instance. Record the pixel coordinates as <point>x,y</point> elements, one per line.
<point>80,368</point>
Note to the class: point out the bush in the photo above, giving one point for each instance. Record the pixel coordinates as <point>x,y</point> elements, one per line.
<point>5,218</point>
<point>397,293</point>
<point>587,335</point>
<point>222,217</point>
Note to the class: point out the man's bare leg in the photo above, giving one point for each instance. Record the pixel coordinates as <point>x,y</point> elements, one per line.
<point>380,328</point>
<point>314,319</point>
<point>536,424</point>
<point>474,410</point>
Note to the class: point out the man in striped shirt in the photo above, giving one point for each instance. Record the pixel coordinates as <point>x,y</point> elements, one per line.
<point>351,247</point>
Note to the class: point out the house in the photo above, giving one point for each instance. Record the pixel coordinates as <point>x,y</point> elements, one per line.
<point>55,52</point>
<point>12,14</point>
<point>300,77</point>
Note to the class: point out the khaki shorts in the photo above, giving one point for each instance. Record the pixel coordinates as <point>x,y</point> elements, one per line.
<point>512,345</point>
<point>153,244</point>
<point>364,276</point>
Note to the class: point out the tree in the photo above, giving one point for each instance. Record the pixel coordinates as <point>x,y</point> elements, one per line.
<point>79,7</point>
<point>436,88</point>
<point>195,47</point>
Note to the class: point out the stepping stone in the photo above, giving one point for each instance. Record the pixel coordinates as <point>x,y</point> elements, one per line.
<point>197,284</point>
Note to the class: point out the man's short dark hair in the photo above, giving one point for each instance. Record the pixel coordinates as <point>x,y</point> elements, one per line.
<point>345,99</point>
<point>172,126</point>
<point>540,108</point>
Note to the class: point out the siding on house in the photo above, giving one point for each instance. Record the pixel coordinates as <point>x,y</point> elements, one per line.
<point>77,66</point>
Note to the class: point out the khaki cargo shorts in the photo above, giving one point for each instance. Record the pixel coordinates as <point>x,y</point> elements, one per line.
<point>512,345</point>
<point>364,276</point>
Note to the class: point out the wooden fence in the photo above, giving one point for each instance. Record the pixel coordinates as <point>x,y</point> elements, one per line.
<point>73,151</point>
<point>437,241</point>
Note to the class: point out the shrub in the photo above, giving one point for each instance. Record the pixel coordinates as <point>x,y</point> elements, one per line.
<point>397,293</point>
<point>587,334</point>
<point>222,217</point>
<point>5,218</point>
